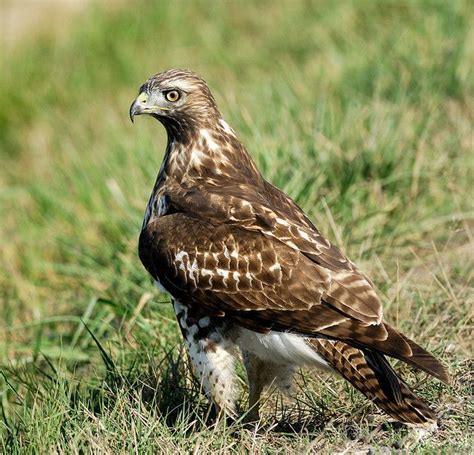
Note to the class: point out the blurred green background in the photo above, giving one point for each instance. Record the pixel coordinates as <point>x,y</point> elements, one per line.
<point>361,110</point>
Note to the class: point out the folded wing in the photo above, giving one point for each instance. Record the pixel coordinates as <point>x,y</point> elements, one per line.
<point>264,283</point>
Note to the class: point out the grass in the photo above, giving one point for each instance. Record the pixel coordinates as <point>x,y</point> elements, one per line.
<point>361,111</point>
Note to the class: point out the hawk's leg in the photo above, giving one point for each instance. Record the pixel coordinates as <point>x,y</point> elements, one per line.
<point>262,373</point>
<point>212,357</point>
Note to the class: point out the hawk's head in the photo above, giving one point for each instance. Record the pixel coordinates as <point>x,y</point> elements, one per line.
<point>200,143</point>
<point>177,98</point>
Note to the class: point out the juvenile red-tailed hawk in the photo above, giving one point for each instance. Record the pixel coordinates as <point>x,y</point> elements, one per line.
<point>248,270</point>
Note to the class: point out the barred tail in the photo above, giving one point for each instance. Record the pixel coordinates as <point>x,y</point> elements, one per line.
<point>370,373</point>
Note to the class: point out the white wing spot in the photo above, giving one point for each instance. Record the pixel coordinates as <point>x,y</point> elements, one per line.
<point>249,276</point>
<point>282,222</point>
<point>223,273</point>
<point>207,272</point>
<point>292,244</point>
<point>235,276</point>
<point>304,235</point>
<point>194,268</point>
<point>180,258</point>
<point>180,255</point>
<point>275,267</point>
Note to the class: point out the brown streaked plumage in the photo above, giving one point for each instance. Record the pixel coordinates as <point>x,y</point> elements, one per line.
<point>248,270</point>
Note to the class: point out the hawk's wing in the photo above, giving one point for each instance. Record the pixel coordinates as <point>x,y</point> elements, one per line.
<point>269,212</point>
<point>263,283</point>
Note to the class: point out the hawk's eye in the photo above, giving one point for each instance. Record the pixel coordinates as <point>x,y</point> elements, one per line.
<point>172,96</point>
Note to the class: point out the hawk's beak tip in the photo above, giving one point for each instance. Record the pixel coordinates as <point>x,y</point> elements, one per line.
<point>132,112</point>
<point>139,106</point>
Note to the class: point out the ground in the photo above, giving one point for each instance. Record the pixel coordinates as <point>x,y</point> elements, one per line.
<point>361,111</point>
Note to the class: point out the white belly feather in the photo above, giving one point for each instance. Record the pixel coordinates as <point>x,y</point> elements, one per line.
<point>276,347</point>
<point>280,347</point>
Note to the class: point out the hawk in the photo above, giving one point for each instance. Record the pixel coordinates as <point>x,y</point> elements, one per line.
<point>248,271</point>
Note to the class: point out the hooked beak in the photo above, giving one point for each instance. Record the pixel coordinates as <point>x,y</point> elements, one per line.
<point>139,106</point>
<point>133,110</point>
<point>145,104</point>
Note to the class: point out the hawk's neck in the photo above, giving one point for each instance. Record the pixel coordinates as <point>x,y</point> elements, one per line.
<point>210,154</point>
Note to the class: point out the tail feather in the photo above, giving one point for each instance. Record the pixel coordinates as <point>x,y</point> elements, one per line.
<point>389,341</point>
<point>418,357</point>
<point>371,374</point>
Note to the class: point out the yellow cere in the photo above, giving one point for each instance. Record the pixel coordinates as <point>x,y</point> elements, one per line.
<point>143,97</point>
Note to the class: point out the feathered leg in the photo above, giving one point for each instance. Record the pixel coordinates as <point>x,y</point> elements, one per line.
<point>260,374</point>
<point>371,374</point>
<point>212,357</point>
